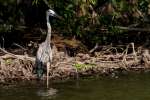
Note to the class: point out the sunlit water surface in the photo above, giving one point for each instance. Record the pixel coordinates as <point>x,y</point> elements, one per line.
<point>127,87</point>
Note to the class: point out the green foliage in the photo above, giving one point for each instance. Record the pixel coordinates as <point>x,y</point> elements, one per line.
<point>8,61</point>
<point>83,66</point>
<point>35,2</point>
<point>143,5</point>
<point>9,15</point>
<point>82,18</point>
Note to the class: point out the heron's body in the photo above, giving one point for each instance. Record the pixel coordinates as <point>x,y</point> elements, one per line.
<point>44,53</point>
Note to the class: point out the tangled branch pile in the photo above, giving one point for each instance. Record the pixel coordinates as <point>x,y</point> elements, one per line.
<point>16,67</point>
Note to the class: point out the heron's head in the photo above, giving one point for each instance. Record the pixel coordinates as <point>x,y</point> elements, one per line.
<point>52,13</point>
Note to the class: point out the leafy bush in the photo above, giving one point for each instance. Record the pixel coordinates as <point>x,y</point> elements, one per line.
<point>84,19</point>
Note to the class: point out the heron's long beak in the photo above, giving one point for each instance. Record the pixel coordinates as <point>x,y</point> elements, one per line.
<point>59,17</point>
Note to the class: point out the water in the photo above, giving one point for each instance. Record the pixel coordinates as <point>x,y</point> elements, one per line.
<point>128,87</point>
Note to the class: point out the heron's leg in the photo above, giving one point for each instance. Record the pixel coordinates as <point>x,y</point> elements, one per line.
<point>48,66</point>
<point>39,69</point>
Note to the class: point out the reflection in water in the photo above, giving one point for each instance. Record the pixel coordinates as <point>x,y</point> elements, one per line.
<point>47,93</point>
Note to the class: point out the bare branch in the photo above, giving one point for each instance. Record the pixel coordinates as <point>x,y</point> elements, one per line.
<point>92,50</point>
<point>133,29</point>
<point>22,57</point>
<point>128,29</point>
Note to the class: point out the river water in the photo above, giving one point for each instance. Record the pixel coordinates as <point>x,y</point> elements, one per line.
<point>125,87</point>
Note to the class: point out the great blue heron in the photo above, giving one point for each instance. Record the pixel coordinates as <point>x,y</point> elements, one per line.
<point>44,52</point>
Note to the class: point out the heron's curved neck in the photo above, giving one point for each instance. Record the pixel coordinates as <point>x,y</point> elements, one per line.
<point>48,37</point>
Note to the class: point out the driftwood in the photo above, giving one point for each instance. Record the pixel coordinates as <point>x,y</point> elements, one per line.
<point>129,29</point>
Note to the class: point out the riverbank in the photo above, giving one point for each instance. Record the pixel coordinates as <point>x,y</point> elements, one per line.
<point>20,67</point>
